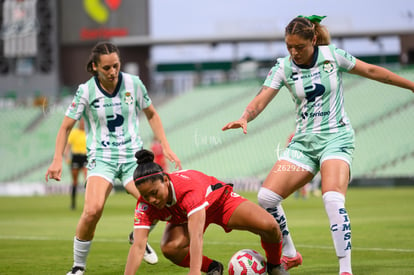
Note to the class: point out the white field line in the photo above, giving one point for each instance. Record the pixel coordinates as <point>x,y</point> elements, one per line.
<point>247,244</point>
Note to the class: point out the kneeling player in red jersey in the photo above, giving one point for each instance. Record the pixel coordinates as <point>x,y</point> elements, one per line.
<point>190,201</point>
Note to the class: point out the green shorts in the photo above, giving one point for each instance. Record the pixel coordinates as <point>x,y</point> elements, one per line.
<point>308,151</point>
<point>112,171</point>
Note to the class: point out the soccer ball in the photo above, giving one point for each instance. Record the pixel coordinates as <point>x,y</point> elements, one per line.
<point>247,262</point>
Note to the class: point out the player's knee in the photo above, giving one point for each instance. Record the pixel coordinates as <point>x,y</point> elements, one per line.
<point>92,214</point>
<point>267,198</point>
<point>171,248</point>
<point>271,230</point>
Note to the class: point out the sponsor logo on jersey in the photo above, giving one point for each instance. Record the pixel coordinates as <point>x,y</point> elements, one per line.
<point>295,75</point>
<point>112,104</point>
<point>316,114</point>
<point>344,121</point>
<point>235,195</point>
<point>313,91</point>
<point>115,143</point>
<point>105,143</point>
<point>142,207</point>
<point>114,121</point>
<point>97,104</point>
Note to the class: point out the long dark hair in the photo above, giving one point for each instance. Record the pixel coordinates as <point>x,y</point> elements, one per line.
<point>307,29</point>
<point>100,49</point>
<point>147,169</point>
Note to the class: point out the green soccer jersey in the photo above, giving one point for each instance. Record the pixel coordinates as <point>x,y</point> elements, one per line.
<point>111,119</point>
<point>317,89</point>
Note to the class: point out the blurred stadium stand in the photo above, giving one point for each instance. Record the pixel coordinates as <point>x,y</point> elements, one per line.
<point>378,112</point>
<point>192,98</point>
<point>381,116</point>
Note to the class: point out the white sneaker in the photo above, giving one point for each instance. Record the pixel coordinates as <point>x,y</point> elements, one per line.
<point>150,256</point>
<point>76,270</point>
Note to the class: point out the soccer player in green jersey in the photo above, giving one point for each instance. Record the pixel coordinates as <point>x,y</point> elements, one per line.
<point>110,103</point>
<point>324,138</point>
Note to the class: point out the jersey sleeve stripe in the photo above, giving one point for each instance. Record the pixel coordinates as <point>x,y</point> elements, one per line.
<point>204,205</point>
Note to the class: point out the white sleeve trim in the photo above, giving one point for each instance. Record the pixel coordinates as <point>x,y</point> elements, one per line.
<point>142,227</point>
<point>204,205</point>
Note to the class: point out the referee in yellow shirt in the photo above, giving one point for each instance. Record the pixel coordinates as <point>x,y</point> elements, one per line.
<point>76,156</point>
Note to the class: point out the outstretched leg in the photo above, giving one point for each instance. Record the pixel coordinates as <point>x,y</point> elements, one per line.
<point>251,217</point>
<point>284,179</point>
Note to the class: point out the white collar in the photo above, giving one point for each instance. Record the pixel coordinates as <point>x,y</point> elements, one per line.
<point>174,197</point>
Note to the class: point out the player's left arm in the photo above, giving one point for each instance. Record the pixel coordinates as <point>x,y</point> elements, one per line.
<point>196,223</point>
<point>381,74</point>
<point>154,121</point>
<point>136,251</point>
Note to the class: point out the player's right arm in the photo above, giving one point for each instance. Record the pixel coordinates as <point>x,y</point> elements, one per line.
<point>55,169</point>
<point>253,109</point>
<point>136,251</point>
<point>196,222</point>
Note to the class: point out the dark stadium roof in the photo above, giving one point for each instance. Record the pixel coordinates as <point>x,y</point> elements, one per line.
<point>150,41</point>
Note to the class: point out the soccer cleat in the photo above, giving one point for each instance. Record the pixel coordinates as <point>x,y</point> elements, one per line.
<point>150,256</point>
<point>215,268</point>
<point>288,262</point>
<point>346,273</point>
<point>276,269</point>
<point>76,270</point>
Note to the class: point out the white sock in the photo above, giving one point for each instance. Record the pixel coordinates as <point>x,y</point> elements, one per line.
<point>271,202</point>
<point>340,228</point>
<point>80,252</point>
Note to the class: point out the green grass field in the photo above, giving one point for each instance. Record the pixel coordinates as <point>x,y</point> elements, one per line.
<point>36,235</point>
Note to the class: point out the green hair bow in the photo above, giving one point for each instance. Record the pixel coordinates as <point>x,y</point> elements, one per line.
<point>313,18</point>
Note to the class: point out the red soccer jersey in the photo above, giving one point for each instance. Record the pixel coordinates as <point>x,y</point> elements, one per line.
<point>192,191</point>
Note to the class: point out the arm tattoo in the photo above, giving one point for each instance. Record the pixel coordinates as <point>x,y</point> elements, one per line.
<point>251,114</point>
<point>387,80</point>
